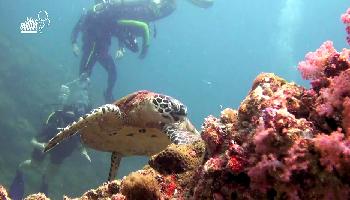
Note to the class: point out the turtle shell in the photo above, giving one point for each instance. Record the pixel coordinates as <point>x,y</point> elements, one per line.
<point>138,130</point>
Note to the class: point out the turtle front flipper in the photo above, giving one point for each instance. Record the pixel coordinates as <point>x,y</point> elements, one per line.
<point>83,122</point>
<point>178,136</point>
<point>115,162</point>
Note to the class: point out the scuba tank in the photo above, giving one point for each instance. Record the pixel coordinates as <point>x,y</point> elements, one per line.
<point>64,94</point>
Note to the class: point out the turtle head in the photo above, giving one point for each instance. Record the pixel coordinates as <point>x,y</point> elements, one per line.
<point>169,108</point>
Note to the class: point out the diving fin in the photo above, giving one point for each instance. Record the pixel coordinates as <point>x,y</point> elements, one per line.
<point>17,186</point>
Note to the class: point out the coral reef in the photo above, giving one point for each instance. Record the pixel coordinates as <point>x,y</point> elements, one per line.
<point>283,142</point>
<point>106,191</point>
<point>276,145</point>
<point>39,196</point>
<point>3,193</point>
<point>170,182</point>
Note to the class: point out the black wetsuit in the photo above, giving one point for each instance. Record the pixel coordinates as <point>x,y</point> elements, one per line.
<point>96,39</point>
<point>59,119</point>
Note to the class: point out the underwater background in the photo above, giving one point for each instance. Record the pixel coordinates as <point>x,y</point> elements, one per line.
<point>207,58</point>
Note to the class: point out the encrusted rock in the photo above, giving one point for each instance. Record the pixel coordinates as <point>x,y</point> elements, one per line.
<point>177,158</point>
<point>3,193</point>
<point>140,186</point>
<point>38,196</point>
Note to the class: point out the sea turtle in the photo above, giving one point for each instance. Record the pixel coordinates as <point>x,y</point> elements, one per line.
<point>141,123</point>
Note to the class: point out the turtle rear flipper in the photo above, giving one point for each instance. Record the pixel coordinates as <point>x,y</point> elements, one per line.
<point>83,122</point>
<point>177,136</point>
<point>115,162</point>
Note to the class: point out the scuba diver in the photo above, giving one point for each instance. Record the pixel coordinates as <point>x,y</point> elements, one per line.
<point>98,25</point>
<point>57,119</point>
<point>97,32</point>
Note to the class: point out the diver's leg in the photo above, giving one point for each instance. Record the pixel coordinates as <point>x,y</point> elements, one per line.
<point>88,59</point>
<point>107,62</point>
<point>115,162</point>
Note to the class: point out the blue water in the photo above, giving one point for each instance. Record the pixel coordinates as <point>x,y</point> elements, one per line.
<point>207,58</point>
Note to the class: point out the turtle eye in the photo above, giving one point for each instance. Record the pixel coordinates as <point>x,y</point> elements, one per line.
<point>178,109</point>
<point>182,110</point>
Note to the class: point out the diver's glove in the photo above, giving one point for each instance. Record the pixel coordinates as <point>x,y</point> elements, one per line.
<point>119,54</point>
<point>76,49</point>
<point>39,145</point>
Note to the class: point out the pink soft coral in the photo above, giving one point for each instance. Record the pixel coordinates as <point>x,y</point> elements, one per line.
<point>346,17</point>
<point>346,116</point>
<point>332,97</point>
<point>215,164</point>
<point>298,158</point>
<point>263,139</point>
<point>313,66</point>
<point>212,134</point>
<point>118,197</point>
<point>334,150</point>
<point>329,73</point>
<point>346,20</point>
<point>263,172</point>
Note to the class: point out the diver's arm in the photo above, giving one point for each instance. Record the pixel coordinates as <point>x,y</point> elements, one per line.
<point>77,29</point>
<point>144,29</point>
<point>202,3</point>
<point>75,32</point>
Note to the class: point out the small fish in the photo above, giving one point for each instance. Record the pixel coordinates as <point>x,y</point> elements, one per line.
<point>207,82</point>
